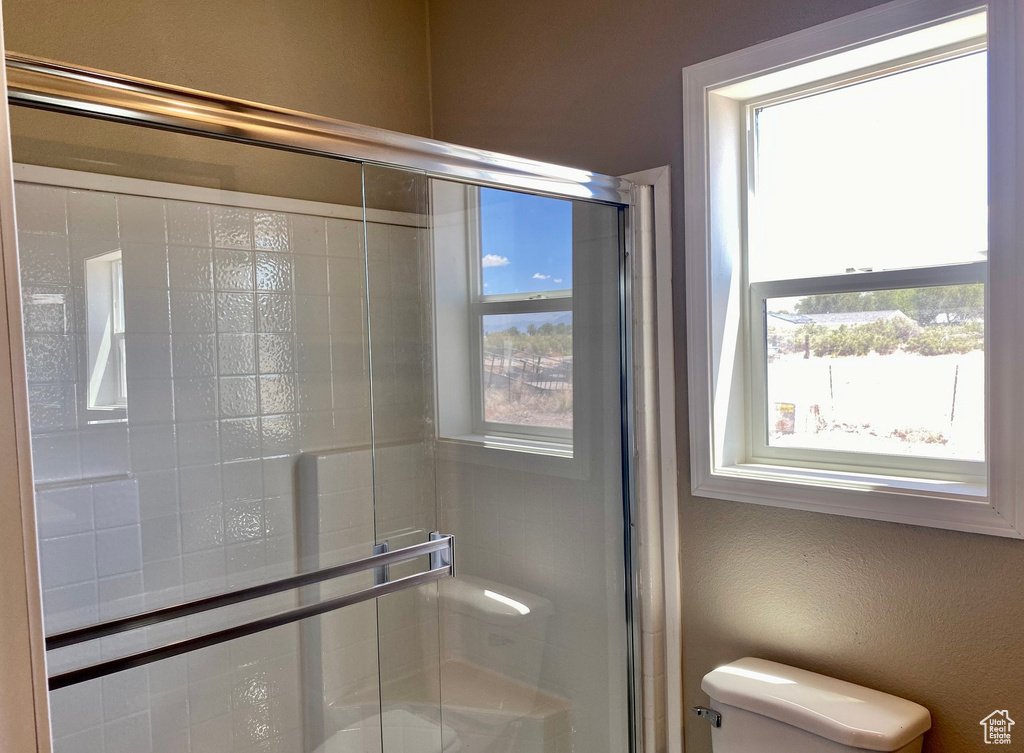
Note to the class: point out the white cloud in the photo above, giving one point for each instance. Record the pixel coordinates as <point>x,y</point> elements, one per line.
<point>558,279</point>
<point>493,260</point>
<point>539,276</point>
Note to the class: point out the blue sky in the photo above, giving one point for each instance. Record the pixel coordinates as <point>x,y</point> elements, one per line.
<point>526,242</point>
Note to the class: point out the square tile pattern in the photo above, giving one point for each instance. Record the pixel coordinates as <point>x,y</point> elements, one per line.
<point>246,341</point>
<point>247,348</point>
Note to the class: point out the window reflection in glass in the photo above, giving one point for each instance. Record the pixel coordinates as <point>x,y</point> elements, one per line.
<point>527,369</point>
<point>525,243</point>
<point>107,365</point>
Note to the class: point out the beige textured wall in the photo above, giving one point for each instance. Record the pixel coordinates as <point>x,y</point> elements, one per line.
<point>931,615</point>
<point>359,60</point>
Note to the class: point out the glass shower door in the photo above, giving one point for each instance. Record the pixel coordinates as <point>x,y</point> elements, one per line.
<point>203,441</point>
<point>260,383</point>
<point>495,360</point>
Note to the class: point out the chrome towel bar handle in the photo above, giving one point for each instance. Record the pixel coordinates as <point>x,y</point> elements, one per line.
<point>440,549</point>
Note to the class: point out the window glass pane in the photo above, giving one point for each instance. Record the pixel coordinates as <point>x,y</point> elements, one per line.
<point>890,173</point>
<point>525,243</point>
<point>122,371</point>
<point>527,369</point>
<point>117,289</point>
<point>107,386</point>
<point>895,372</point>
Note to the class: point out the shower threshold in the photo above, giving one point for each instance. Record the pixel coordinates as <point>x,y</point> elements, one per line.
<point>481,710</point>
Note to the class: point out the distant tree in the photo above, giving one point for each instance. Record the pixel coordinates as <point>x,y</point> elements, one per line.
<point>553,340</point>
<point>882,337</point>
<point>946,304</point>
<point>832,303</point>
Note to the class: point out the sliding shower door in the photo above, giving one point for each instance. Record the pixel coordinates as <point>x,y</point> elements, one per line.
<point>200,404</point>
<point>269,391</point>
<point>496,357</point>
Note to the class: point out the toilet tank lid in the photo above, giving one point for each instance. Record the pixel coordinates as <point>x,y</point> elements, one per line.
<point>839,711</point>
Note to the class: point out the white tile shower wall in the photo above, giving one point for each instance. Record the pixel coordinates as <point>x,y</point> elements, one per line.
<point>240,357</point>
<point>246,344</point>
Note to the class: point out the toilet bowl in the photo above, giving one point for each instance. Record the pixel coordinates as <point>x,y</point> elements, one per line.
<point>760,706</point>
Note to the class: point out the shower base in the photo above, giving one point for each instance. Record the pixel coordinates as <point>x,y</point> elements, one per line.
<point>482,712</point>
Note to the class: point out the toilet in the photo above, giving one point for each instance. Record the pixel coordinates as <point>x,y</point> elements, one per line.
<point>760,706</point>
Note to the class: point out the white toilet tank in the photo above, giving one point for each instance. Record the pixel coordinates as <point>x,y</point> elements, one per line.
<point>765,707</point>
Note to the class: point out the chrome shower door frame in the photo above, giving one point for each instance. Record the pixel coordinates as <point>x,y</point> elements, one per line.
<point>54,86</point>
<point>49,85</point>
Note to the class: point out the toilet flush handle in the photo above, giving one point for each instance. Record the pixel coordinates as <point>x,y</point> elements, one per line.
<point>710,714</point>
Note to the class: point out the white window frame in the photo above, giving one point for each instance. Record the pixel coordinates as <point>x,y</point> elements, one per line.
<point>458,310</point>
<point>725,342</point>
<point>482,305</point>
<point>118,332</point>
<point>970,474</point>
<point>107,384</point>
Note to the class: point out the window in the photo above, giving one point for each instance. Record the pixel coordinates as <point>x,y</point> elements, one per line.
<point>522,315</point>
<point>107,364</point>
<point>849,187</point>
<point>503,316</point>
<point>842,255</point>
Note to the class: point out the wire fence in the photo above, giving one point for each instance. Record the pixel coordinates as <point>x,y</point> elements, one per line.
<point>519,368</point>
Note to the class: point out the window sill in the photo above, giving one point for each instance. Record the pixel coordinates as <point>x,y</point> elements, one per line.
<point>860,482</point>
<point>550,447</point>
<point>938,504</point>
<point>529,456</point>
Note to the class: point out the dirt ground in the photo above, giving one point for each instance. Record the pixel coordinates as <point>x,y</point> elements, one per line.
<point>901,403</point>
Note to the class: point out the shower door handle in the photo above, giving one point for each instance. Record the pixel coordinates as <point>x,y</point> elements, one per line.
<point>440,549</point>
